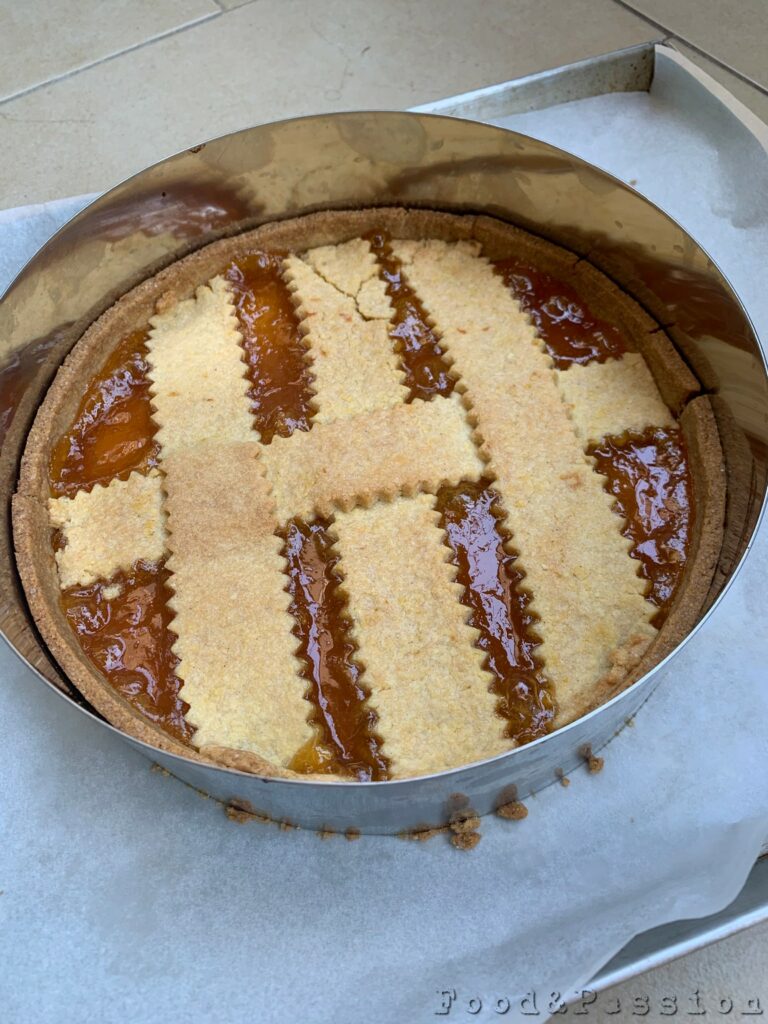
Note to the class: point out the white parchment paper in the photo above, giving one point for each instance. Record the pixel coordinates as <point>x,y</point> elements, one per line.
<point>128,897</point>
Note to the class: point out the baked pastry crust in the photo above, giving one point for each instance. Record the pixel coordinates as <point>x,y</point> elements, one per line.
<point>406,463</point>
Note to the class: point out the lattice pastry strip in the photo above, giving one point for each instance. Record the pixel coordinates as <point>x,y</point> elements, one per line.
<point>352,268</point>
<point>109,528</point>
<point>585,585</point>
<point>612,397</point>
<point>241,677</point>
<point>354,365</point>
<point>199,389</point>
<point>354,461</point>
<point>236,649</point>
<point>425,675</point>
<point>199,393</point>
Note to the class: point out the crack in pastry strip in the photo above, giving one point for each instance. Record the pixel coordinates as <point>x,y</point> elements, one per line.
<point>424,672</point>
<point>378,454</point>
<point>585,587</point>
<point>612,397</point>
<point>355,369</point>
<point>351,268</point>
<point>109,528</point>
<point>199,388</point>
<point>235,646</point>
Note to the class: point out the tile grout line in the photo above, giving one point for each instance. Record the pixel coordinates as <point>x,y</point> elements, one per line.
<point>762,89</point>
<point>213,16</point>
<point>671,36</point>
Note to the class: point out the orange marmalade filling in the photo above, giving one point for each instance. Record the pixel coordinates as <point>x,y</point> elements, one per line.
<point>122,624</point>
<point>650,477</point>
<point>421,354</point>
<point>123,628</point>
<point>571,334</point>
<point>113,432</point>
<point>499,607</point>
<point>280,389</point>
<point>345,742</point>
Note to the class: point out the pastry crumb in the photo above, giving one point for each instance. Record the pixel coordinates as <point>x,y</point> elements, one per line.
<point>241,812</point>
<point>238,815</point>
<point>421,835</point>
<point>594,763</point>
<point>166,302</point>
<point>513,811</point>
<point>351,834</point>
<point>326,833</point>
<point>563,778</point>
<point>463,822</point>
<point>158,768</point>
<point>466,840</point>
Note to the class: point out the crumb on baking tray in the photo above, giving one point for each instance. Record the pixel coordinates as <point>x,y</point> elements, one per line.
<point>515,810</point>
<point>242,811</point>
<point>466,840</point>
<point>594,763</point>
<point>423,833</point>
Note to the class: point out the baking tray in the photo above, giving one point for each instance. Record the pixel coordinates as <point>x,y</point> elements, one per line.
<point>629,70</point>
<point>633,70</point>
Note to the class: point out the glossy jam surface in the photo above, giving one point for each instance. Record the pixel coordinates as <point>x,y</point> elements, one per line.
<point>649,475</point>
<point>112,433</point>
<point>492,589</point>
<point>280,389</point>
<point>345,742</point>
<point>123,628</point>
<point>562,319</point>
<point>422,357</point>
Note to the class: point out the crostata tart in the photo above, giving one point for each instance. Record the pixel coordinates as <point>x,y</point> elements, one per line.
<point>367,495</point>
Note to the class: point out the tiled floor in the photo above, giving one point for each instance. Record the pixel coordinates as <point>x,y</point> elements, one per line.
<point>261,61</point>
<point>39,48</point>
<point>90,92</point>
<point>733,33</point>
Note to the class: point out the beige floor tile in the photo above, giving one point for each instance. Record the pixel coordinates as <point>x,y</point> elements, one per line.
<point>734,33</point>
<point>755,99</point>
<point>40,40</point>
<point>733,971</point>
<point>275,58</point>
